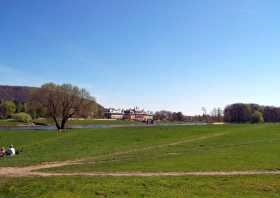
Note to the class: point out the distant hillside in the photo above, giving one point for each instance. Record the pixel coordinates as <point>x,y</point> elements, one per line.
<point>16,93</point>
<point>23,93</point>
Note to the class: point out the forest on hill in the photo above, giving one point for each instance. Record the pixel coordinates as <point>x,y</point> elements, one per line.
<point>20,97</point>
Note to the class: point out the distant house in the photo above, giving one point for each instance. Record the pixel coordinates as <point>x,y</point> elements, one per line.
<point>138,115</point>
<point>129,114</point>
<point>112,113</point>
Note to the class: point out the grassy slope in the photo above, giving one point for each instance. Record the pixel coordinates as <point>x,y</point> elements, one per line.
<point>250,187</point>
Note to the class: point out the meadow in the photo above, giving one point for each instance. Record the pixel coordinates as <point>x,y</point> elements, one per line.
<point>43,121</point>
<point>89,122</point>
<point>166,187</point>
<point>9,122</point>
<point>148,149</point>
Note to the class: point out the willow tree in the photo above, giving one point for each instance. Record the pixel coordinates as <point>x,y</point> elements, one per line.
<point>63,101</point>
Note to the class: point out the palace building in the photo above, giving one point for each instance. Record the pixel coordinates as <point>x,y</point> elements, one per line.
<point>129,114</point>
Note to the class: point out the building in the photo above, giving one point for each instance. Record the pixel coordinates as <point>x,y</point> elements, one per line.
<point>112,113</point>
<point>129,114</point>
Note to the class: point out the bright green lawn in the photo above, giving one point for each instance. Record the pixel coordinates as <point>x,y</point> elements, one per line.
<point>227,147</point>
<point>42,146</point>
<point>239,147</point>
<point>9,122</point>
<point>181,187</point>
<point>203,148</point>
<point>90,122</point>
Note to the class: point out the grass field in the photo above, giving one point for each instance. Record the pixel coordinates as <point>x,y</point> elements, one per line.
<point>11,122</point>
<point>148,149</point>
<point>180,187</point>
<point>86,143</point>
<point>211,148</point>
<point>90,122</point>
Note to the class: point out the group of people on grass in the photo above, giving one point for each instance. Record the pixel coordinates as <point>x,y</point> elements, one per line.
<point>10,151</point>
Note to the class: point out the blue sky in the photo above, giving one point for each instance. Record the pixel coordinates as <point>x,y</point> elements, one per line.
<point>177,55</point>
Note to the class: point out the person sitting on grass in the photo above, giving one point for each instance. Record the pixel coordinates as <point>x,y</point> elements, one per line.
<point>2,152</point>
<point>11,151</point>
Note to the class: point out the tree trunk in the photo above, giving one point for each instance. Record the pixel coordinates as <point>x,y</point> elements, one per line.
<point>56,123</point>
<point>63,122</point>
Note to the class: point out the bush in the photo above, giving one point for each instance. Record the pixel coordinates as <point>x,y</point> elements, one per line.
<point>257,117</point>
<point>7,108</point>
<point>22,117</point>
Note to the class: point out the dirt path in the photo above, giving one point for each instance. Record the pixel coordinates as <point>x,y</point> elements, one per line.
<point>33,171</point>
<point>158,174</point>
<point>28,170</point>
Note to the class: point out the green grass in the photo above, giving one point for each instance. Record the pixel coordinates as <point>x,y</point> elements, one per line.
<point>9,122</point>
<point>90,122</point>
<point>218,187</point>
<point>208,148</point>
<point>198,148</point>
<point>12,123</point>
<point>40,146</point>
<point>238,147</point>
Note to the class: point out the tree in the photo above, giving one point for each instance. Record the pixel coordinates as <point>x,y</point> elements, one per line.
<point>214,115</point>
<point>62,101</point>
<point>19,107</point>
<point>257,117</point>
<point>174,116</point>
<point>204,116</point>
<point>35,108</point>
<point>204,111</point>
<point>179,116</point>
<point>217,115</point>
<point>271,114</point>
<point>239,113</point>
<point>163,115</point>
<point>7,108</point>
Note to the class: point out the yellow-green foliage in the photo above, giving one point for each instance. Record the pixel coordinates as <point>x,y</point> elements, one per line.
<point>22,117</point>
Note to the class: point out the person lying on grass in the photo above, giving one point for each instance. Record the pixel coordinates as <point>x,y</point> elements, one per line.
<point>2,152</point>
<point>11,151</point>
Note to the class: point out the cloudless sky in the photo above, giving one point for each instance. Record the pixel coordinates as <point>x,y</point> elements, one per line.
<point>177,55</point>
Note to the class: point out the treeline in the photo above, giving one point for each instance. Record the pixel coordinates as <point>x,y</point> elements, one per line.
<point>245,113</point>
<point>216,115</point>
<point>169,116</point>
<point>8,108</point>
<point>36,110</point>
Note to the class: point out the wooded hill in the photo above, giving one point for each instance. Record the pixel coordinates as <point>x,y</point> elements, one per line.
<point>22,94</point>
<point>16,93</point>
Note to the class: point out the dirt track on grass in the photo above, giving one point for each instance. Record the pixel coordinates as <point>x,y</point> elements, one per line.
<point>34,171</point>
<point>28,170</point>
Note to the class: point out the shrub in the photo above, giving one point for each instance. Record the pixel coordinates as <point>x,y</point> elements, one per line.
<point>257,117</point>
<point>7,108</point>
<point>22,117</point>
